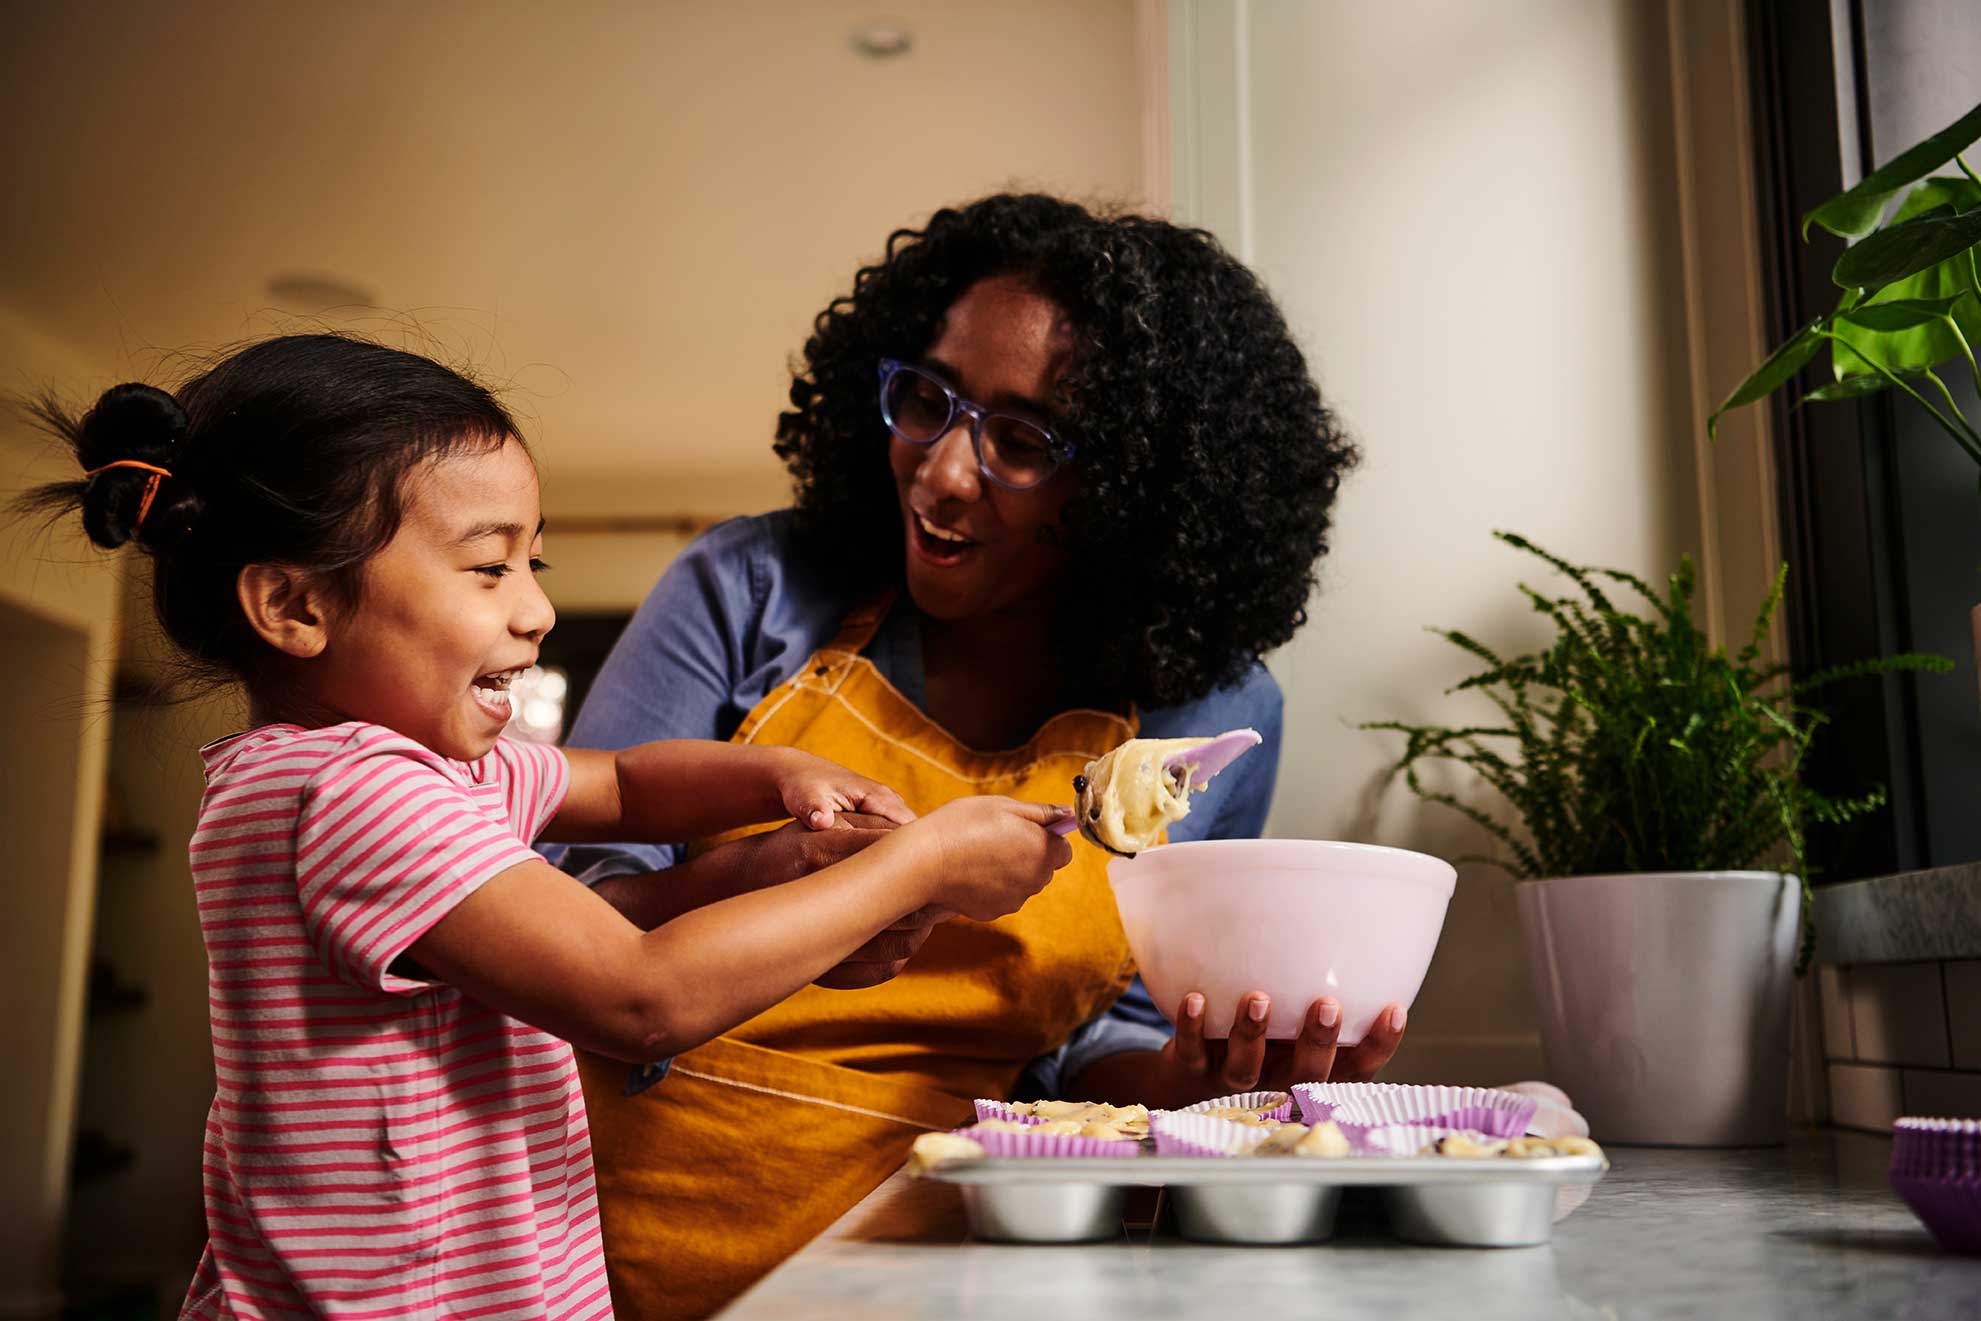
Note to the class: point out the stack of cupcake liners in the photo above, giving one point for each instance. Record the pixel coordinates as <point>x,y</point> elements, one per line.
<point>1936,1168</point>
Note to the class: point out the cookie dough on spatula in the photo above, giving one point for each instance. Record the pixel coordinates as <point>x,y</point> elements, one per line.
<point>1127,798</point>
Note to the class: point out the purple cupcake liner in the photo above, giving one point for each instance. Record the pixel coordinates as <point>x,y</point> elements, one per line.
<point>1180,1133</point>
<point>1005,1110</point>
<point>1371,1105</point>
<point>1936,1148</point>
<point>1009,1145</point>
<point>1936,1168</point>
<point>1950,1208</point>
<point>1002,1110</point>
<point>1276,1106</point>
<point>1400,1139</point>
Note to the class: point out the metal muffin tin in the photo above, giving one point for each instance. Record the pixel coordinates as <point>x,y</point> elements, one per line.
<point>1499,1202</point>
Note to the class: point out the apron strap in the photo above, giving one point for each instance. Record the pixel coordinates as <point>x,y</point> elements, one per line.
<point>859,626</point>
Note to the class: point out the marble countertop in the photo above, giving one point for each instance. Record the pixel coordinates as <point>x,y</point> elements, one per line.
<point>1807,1231</point>
<point>1891,919</point>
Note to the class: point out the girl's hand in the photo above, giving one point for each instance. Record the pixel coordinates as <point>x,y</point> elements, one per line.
<point>1246,1061</point>
<point>993,854</point>
<point>814,790</point>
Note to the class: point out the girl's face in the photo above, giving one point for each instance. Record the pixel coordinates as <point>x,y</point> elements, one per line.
<point>449,612</point>
<point>1002,345</point>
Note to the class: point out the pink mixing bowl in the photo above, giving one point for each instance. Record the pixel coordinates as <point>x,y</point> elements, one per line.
<point>1295,918</point>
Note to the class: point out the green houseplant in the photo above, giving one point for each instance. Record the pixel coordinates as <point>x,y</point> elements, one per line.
<point>1910,294</point>
<point>1649,769</point>
<point>1910,288</point>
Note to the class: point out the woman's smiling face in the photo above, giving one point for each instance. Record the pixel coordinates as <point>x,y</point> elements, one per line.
<point>975,548</point>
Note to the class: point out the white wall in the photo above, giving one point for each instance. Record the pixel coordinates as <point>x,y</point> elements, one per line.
<point>1466,212</point>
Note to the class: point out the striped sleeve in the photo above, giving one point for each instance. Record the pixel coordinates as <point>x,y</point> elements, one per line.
<point>387,842</point>
<point>536,777</point>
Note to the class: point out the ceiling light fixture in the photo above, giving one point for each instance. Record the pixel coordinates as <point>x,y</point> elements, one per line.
<point>884,38</point>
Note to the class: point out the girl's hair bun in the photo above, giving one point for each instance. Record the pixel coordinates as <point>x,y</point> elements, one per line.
<point>138,422</point>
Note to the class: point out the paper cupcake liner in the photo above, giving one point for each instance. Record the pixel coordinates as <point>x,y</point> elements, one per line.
<point>1395,1139</point>
<point>1378,1104</point>
<point>1003,1110</point>
<point>1949,1207</point>
<point>1936,1168</point>
<point>1180,1133</point>
<point>1936,1148</point>
<point>1268,1105</point>
<point>1006,1144</point>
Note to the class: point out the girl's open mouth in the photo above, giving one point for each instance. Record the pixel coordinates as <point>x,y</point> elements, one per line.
<point>492,693</point>
<point>937,544</point>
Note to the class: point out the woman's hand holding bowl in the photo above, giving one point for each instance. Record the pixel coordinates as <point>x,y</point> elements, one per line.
<point>1191,1068</point>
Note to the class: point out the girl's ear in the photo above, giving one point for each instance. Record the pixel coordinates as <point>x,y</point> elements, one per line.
<point>288,608</point>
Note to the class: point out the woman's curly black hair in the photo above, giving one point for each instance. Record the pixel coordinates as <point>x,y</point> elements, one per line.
<point>1207,462</point>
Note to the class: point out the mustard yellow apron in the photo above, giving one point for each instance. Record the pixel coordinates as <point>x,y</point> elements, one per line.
<point>757,1141</point>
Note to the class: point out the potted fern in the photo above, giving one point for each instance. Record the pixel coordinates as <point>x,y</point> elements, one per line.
<point>1655,781</point>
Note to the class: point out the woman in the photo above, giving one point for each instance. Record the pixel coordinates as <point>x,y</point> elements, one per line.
<point>1061,480</point>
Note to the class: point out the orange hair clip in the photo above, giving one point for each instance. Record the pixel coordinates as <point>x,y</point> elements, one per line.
<point>158,474</point>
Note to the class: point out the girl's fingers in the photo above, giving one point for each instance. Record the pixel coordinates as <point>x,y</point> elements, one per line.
<point>883,801</point>
<point>1313,1053</point>
<point>1189,1041</point>
<point>1245,1052</point>
<point>1361,1062</point>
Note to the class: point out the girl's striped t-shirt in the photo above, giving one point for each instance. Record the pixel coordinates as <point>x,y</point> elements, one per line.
<point>379,1144</point>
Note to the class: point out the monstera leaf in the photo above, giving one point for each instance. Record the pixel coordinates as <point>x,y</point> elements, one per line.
<point>1854,213</point>
<point>1911,297</point>
<point>1909,340</point>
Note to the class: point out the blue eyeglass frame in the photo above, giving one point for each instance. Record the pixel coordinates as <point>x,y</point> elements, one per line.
<point>1058,450</point>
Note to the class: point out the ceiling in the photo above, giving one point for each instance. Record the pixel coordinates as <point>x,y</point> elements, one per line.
<point>624,214</point>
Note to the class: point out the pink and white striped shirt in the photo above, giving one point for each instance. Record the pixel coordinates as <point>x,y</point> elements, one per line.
<point>379,1144</point>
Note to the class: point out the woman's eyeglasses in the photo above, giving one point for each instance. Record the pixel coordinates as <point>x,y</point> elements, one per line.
<point>1012,451</point>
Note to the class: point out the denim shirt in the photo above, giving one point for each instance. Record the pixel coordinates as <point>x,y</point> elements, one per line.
<point>741,609</point>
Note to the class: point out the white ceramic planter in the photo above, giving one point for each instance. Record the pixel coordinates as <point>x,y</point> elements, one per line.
<point>1664,1001</point>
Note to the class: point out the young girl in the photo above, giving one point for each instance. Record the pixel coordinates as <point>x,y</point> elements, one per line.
<point>353,532</point>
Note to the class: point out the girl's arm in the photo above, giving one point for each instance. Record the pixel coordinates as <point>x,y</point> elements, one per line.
<point>682,789</point>
<point>532,944</point>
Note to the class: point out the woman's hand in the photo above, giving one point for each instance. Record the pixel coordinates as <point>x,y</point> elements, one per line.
<point>815,790</point>
<point>880,959</point>
<point>1245,1061</point>
<point>1191,1069</point>
<point>792,851</point>
<point>775,857</point>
